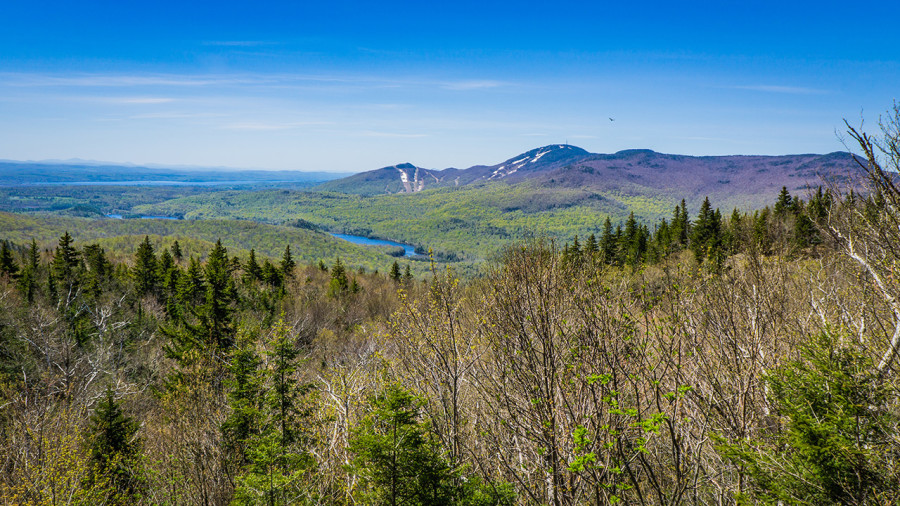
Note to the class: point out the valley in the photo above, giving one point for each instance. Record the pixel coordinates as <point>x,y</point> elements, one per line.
<point>463,215</point>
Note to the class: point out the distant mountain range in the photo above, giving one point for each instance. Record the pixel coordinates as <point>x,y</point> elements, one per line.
<point>87,172</point>
<point>745,180</point>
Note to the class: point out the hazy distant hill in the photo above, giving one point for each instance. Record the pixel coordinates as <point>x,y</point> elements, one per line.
<point>18,173</point>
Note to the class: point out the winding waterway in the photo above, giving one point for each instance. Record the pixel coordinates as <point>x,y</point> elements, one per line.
<point>408,251</point>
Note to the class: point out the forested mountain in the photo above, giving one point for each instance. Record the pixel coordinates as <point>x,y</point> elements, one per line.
<point>747,182</point>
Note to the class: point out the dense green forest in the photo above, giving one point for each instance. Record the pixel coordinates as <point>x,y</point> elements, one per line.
<point>459,224</point>
<point>120,239</point>
<point>740,359</point>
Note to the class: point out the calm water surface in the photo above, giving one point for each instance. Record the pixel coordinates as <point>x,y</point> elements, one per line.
<point>408,251</point>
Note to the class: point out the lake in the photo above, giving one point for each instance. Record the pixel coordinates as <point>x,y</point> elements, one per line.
<point>119,217</point>
<point>408,251</point>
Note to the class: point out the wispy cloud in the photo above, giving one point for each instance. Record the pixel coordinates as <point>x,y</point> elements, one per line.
<point>391,135</point>
<point>469,85</point>
<point>122,80</point>
<point>278,80</point>
<point>262,126</point>
<point>176,115</point>
<point>239,43</point>
<point>142,100</point>
<point>791,90</point>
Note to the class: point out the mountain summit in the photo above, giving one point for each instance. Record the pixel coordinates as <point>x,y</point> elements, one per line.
<point>408,178</point>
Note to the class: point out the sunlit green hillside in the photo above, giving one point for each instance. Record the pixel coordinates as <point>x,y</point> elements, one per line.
<point>467,224</point>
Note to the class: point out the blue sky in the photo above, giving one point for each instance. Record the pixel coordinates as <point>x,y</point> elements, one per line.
<point>351,86</point>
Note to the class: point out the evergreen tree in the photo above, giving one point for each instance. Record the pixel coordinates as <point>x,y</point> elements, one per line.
<point>244,394</point>
<point>176,251</point>
<point>834,444</point>
<point>287,263</point>
<point>99,269</point>
<point>663,239</point>
<point>145,271</point>
<point>271,274</point>
<point>785,203</point>
<point>215,314</point>
<point>407,275</point>
<point>279,462</point>
<point>208,327</point>
<point>190,287</point>
<point>168,275</point>
<point>252,270</point>
<point>396,456</point>
<point>681,226</point>
<point>706,233</point>
<point>63,268</point>
<point>608,243</point>
<point>761,237</point>
<point>591,247</point>
<point>819,205</point>
<point>28,280</point>
<point>339,283</point>
<point>115,450</point>
<point>395,272</point>
<point>8,264</point>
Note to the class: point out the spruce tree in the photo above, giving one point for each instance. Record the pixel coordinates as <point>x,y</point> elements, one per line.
<point>271,275</point>
<point>145,271</point>
<point>339,283</point>
<point>287,263</point>
<point>244,399</point>
<point>216,314</point>
<point>279,463</point>
<point>28,280</point>
<point>591,248</point>
<point>831,442</point>
<point>252,270</point>
<point>115,450</point>
<point>176,251</point>
<point>407,275</point>
<point>63,268</point>
<point>785,203</point>
<point>8,264</point>
<point>395,272</point>
<point>706,232</point>
<point>396,455</point>
<point>99,269</point>
<point>608,242</point>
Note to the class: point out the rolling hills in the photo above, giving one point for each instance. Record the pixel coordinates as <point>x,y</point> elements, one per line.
<point>558,190</point>
<point>464,215</point>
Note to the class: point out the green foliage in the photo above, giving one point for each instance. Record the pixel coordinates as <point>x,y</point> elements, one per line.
<point>339,284</point>
<point>706,234</point>
<point>276,432</point>
<point>833,444</point>
<point>8,264</point>
<point>400,461</point>
<point>395,272</point>
<point>115,450</point>
<point>145,269</point>
<point>287,263</point>
<point>397,457</point>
